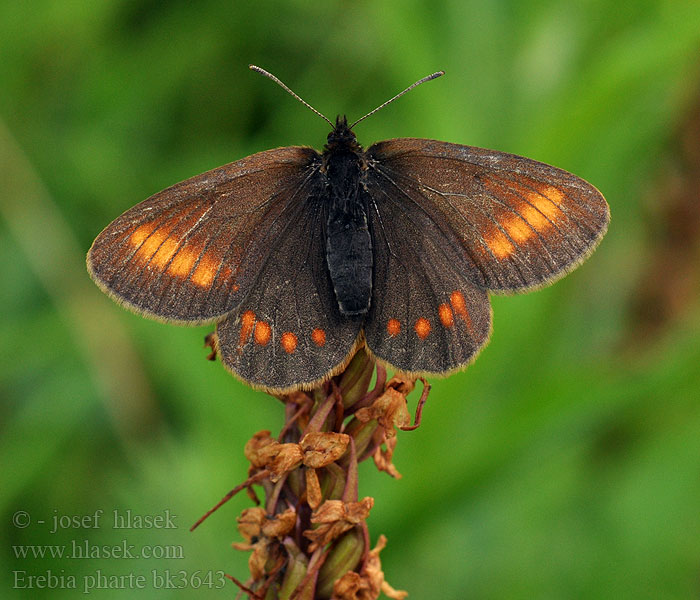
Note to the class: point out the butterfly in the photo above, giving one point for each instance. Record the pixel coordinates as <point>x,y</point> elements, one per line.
<point>301,257</point>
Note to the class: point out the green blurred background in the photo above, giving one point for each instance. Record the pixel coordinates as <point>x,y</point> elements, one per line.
<point>565,463</point>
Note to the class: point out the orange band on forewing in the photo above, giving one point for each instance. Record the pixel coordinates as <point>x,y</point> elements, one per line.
<point>141,233</point>
<point>164,244</point>
<point>499,243</point>
<point>534,217</point>
<point>147,239</point>
<point>547,202</point>
<point>534,209</point>
<point>203,275</point>
<point>518,230</point>
<point>163,255</point>
<point>184,260</point>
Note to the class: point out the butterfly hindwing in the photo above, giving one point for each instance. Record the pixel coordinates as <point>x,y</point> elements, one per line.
<point>190,252</point>
<point>288,332</point>
<point>428,313</point>
<point>522,223</point>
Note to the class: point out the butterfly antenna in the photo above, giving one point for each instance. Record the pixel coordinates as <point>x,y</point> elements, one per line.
<point>284,87</point>
<point>408,89</point>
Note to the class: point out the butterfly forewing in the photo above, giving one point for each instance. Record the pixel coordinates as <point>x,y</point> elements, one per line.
<point>288,332</point>
<point>520,222</point>
<point>190,252</point>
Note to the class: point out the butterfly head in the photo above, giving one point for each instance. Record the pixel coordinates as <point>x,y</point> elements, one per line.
<point>342,137</point>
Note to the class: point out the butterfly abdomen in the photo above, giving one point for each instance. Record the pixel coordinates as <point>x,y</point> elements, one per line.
<point>348,240</point>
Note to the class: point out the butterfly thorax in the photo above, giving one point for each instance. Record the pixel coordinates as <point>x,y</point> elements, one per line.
<point>348,240</point>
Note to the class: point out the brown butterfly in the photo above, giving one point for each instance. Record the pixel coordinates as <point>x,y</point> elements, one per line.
<point>301,257</point>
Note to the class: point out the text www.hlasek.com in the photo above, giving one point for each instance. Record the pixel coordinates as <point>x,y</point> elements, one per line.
<point>83,549</point>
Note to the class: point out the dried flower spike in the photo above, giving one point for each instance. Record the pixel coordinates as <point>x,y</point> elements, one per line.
<point>309,540</point>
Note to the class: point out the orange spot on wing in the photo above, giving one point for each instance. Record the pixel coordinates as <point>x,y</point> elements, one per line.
<point>247,324</point>
<point>553,194</point>
<point>289,342</point>
<point>141,233</point>
<point>517,229</point>
<point>318,337</point>
<point>393,327</point>
<point>459,304</point>
<point>148,240</point>
<point>183,262</point>
<point>547,202</point>
<point>151,244</point>
<point>446,316</point>
<point>203,275</point>
<point>164,253</point>
<point>534,217</point>
<point>422,328</point>
<point>499,244</point>
<point>262,333</point>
